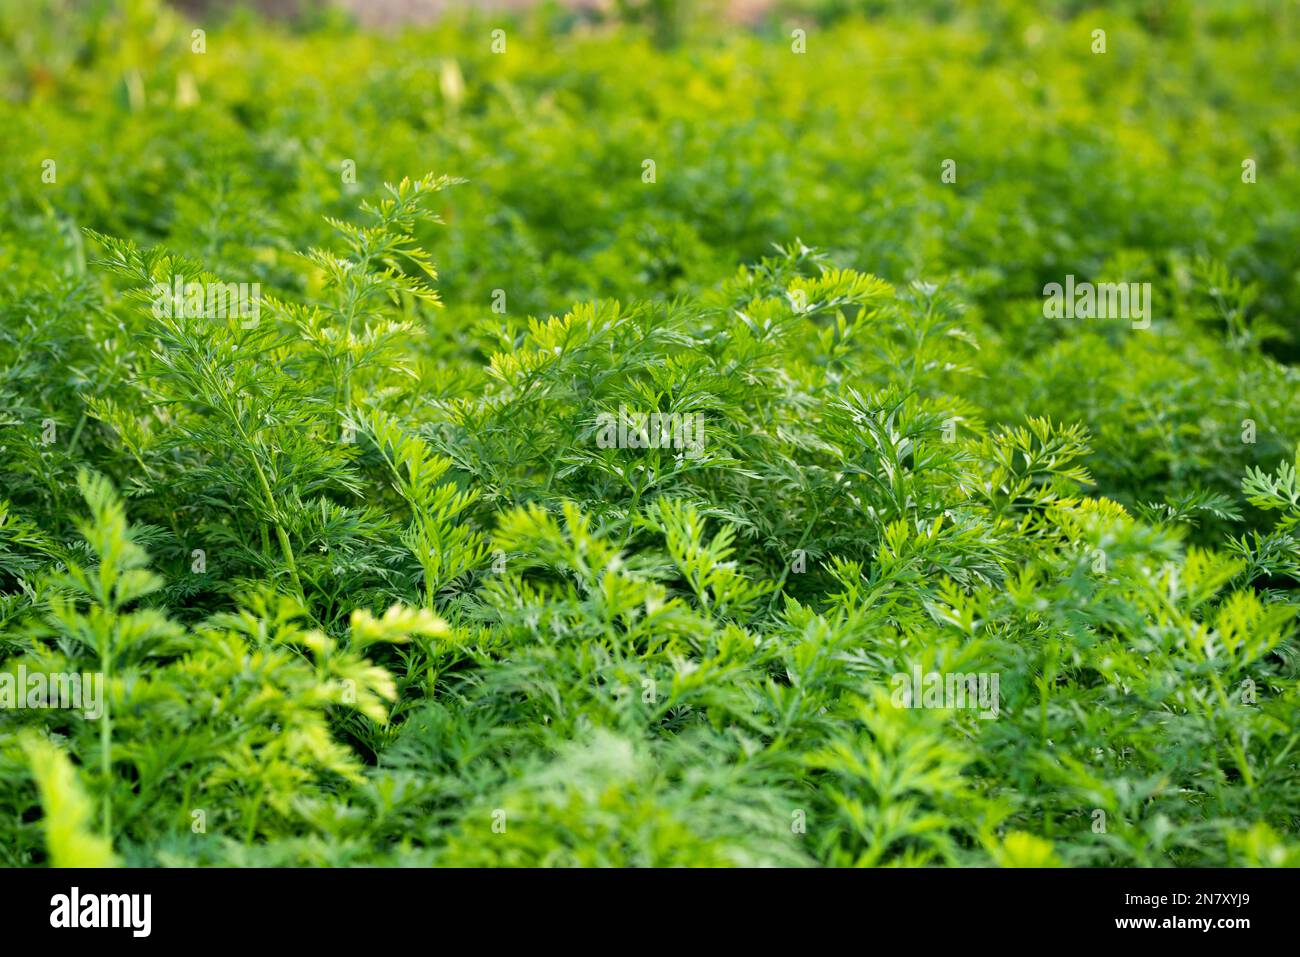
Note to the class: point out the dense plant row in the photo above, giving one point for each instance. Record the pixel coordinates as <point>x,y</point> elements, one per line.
<point>368,581</point>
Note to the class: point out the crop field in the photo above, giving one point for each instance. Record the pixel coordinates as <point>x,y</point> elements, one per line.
<point>648,434</point>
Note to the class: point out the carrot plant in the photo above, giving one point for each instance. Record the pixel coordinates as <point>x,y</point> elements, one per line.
<point>702,480</point>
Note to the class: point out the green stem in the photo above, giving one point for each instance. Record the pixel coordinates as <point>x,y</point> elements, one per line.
<point>286,547</point>
<point>106,743</point>
<point>76,435</point>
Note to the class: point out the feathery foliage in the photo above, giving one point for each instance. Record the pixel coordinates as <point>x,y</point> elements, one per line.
<point>634,531</point>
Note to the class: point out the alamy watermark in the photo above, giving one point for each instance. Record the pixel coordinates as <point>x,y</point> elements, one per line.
<point>208,300</point>
<point>954,690</point>
<point>75,909</point>
<point>57,689</point>
<point>651,430</point>
<point>1103,300</point>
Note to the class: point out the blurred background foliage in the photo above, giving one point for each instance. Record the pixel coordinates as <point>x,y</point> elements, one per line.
<point>1067,162</point>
